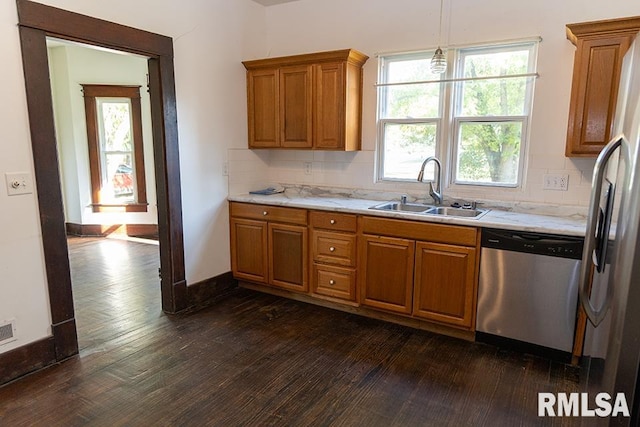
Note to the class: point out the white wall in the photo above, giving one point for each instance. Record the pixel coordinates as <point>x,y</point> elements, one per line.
<point>400,25</point>
<point>70,66</point>
<point>211,37</point>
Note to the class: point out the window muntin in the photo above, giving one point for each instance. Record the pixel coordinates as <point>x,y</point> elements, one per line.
<point>482,114</point>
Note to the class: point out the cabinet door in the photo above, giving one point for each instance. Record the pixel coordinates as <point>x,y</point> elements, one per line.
<point>249,250</point>
<point>596,77</point>
<point>444,283</point>
<point>295,107</point>
<point>386,273</point>
<point>288,257</point>
<point>262,108</point>
<point>329,125</point>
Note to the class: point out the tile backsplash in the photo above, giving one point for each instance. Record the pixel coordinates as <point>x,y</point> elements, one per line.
<point>254,169</point>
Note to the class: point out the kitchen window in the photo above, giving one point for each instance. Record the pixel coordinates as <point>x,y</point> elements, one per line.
<point>116,155</point>
<point>475,117</point>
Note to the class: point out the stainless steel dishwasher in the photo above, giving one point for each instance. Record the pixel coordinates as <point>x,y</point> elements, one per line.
<point>528,288</point>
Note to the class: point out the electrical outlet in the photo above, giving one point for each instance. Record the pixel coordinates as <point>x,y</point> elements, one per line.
<point>556,182</point>
<point>308,168</point>
<point>18,183</point>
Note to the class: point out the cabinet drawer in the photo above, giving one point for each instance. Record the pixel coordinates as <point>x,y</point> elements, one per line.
<point>334,248</point>
<point>334,282</point>
<point>333,221</point>
<point>268,213</point>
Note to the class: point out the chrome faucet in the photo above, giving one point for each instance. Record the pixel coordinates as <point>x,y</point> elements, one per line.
<point>436,193</point>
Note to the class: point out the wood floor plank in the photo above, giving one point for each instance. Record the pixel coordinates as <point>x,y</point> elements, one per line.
<point>258,360</point>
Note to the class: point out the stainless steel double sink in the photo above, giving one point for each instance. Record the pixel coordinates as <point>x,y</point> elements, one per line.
<point>419,208</point>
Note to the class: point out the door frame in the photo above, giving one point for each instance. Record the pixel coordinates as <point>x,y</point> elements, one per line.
<point>37,21</point>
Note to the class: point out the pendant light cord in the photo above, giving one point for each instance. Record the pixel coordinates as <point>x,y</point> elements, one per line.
<point>440,25</point>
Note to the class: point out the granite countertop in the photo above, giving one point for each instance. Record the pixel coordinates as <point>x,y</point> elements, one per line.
<point>568,225</point>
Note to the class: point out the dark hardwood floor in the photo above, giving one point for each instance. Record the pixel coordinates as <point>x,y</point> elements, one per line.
<point>255,359</point>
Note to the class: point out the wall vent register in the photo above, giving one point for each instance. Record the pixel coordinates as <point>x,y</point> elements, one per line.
<point>7,332</point>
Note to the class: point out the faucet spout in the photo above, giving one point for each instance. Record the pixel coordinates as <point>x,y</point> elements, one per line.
<point>435,193</point>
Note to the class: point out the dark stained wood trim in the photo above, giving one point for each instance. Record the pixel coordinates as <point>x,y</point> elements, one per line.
<point>86,29</point>
<point>119,91</point>
<point>141,230</point>
<point>98,230</point>
<point>28,358</point>
<point>167,168</point>
<point>86,230</point>
<point>36,21</point>
<point>95,172</point>
<point>138,150</point>
<point>65,338</point>
<point>211,290</point>
<point>47,176</point>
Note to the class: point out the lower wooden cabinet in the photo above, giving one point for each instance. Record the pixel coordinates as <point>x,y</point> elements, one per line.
<point>444,283</point>
<point>431,280</point>
<point>386,273</point>
<point>271,250</point>
<point>410,270</point>
<point>249,250</point>
<point>333,249</point>
<point>288,257</point>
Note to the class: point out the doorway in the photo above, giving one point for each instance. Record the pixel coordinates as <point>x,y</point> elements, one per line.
<point>102,114</point>
<point>36,23</point>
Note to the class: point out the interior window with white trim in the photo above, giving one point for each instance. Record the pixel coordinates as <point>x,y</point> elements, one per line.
<point>474,117</point>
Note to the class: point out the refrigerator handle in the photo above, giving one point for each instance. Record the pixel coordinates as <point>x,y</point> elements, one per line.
<point>595,315</point>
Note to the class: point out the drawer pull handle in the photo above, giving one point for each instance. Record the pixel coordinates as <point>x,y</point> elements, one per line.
<point>333,221</point>
<point>264,213</point>
<point>332,282</point>
<point>332,249</point>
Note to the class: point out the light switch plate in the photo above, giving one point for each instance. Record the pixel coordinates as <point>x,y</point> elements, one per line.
<point>18,183</point>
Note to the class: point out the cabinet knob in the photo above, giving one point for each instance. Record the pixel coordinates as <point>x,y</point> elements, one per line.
<point>331,249</point>
<point>333,221</point>
<point>332,282</point>
<point>264,213</point>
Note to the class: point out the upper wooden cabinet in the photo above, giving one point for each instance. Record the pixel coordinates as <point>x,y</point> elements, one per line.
<point>600,47</point>
<point>309,101</point>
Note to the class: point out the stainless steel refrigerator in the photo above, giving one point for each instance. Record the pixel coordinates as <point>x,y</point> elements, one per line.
<point>612,255</point>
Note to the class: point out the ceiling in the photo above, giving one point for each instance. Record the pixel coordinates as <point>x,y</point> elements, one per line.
<point>272,2</point>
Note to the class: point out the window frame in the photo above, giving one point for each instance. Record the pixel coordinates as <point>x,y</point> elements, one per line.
<point>382,122</point>
<point>457,119</point>
<point>448,130</point>
<point>91,92</point>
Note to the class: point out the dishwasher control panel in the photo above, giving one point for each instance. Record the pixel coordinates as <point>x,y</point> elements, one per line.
<point>534,243</point>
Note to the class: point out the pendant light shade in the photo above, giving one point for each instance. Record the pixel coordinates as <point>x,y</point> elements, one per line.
<point>438,62</point>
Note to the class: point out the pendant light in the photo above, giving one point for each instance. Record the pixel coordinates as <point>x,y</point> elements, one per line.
<point>439,62</point>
